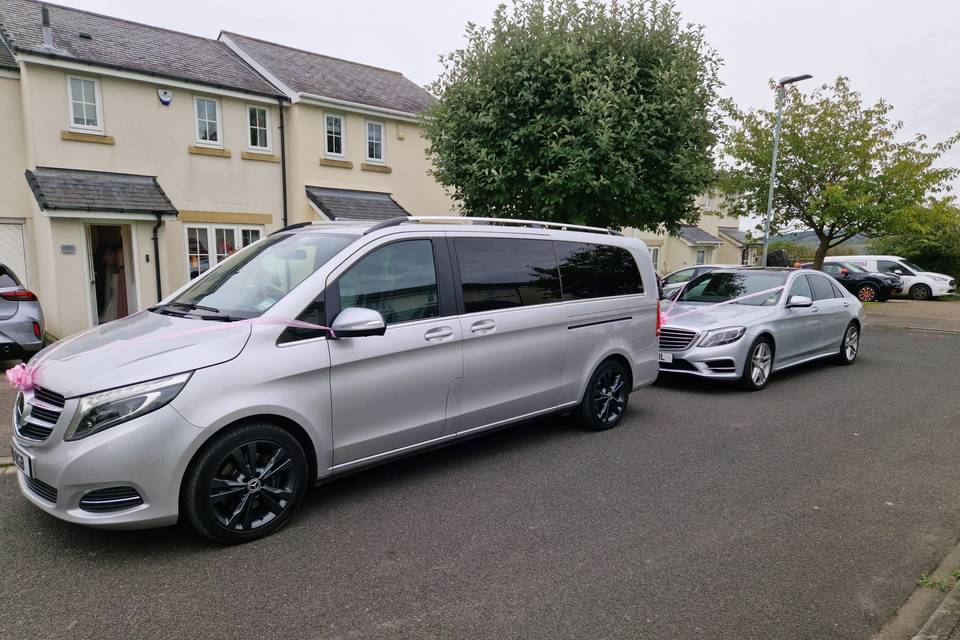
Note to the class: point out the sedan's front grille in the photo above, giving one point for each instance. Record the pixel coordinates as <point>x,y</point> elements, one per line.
<point>45,407</point>
<point>110,499</point>
<point>42,489</point>
<point>672,339</point>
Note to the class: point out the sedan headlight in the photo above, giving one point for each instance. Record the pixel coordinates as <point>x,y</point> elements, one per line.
<point>719,337</point>
<point>107,409</point>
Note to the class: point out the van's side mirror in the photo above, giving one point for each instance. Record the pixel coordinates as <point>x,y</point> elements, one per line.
<point>799,301</point>
<point>898,272</point>
<point>357,322</point>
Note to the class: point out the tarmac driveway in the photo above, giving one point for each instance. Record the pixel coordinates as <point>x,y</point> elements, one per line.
<point>806,510</point>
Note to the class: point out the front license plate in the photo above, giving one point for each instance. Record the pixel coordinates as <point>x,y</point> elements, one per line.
<point>666,357</point>
<point>22,460</point>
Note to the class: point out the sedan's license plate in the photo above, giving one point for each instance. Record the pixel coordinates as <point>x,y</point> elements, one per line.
<point>666,357</point>
<point>22,460</point>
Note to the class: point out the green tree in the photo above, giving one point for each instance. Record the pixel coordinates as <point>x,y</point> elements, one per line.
<point>929,237</point>
<point>841,170</point>
<point>584,112</point>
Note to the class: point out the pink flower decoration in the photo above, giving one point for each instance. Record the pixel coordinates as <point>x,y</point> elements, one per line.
<point>21,376</point>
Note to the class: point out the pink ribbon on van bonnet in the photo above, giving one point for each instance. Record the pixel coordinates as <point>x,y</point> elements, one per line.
<point>23,376</point>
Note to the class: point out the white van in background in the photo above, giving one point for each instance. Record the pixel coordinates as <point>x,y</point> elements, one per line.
<point>917,283</point>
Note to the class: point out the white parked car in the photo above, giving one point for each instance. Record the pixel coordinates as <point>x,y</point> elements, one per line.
<point>918,283</point>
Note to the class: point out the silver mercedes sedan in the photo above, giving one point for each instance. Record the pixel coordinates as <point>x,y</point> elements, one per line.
<point>743,324</point>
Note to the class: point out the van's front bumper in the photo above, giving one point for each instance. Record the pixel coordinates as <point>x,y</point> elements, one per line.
<point>724,362</point>
<point>148,454</point>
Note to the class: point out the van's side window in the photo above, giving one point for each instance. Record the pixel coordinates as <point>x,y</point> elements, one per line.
<point>399,280</point>
<point>499,273</point>
<point>888,266</point>
<point>596,271</point>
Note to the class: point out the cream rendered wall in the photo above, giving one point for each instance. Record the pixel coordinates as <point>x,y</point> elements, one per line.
<point>405,154</point>
<point>150,139</point>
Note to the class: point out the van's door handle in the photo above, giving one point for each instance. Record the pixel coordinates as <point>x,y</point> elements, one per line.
<point>483,326</point>
<point>846,304</point>
<point>438,334</point>
<point>814,310</point>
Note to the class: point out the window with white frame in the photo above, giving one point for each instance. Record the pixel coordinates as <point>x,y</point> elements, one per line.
<point>701,257</point>
<point>375,141</point>
<point>210,244</point>
<point>208,121</point>
<point>86,112</point>
<point>258,126</point>
<point>655,257</point>
<point>333,126</point>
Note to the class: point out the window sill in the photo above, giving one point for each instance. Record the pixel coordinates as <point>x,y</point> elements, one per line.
<point>259,156</point>
<point>377,168</point>
<point>96,138</point>
<point>208,151</point>
<point>340,164</point>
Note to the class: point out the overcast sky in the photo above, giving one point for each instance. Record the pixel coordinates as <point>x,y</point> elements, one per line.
<point>906,52</point>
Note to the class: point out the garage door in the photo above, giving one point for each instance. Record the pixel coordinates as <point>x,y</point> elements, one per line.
<point>11,249</point>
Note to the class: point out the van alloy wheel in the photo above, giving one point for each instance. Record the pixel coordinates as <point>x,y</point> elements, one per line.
<point>253,484</point>
<point>920,292</point>
<point>609,396</point>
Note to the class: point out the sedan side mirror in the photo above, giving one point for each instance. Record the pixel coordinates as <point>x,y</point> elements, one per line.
<point>845,272</point>
<point>799,301</point>
<point>357,322</point>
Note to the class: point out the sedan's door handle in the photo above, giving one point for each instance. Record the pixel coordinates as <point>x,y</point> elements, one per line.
<point>483,326</point>
<point>438,334</point>
<point>814,310</point>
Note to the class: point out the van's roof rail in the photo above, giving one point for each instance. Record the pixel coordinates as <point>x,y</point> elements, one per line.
<point>392,222</point>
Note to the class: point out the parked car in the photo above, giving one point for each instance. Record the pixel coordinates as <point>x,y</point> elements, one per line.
<point>866,285</point>
<point>21,318</point>
<point>772,319</point>
<point>215,407</point>
<point>917,283</point>
<point>673,282</point>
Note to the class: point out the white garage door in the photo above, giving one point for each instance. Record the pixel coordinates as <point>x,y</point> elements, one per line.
<point>11,249</point>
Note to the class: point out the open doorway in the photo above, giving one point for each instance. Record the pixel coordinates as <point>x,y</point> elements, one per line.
<point>113,278</point>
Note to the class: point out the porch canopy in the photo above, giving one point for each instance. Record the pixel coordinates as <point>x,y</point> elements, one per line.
<point>694,236</point>
<point>349,204</point>
<point>77,193</point>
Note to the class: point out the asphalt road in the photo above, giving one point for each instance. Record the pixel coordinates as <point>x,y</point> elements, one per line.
<point>804,511</point>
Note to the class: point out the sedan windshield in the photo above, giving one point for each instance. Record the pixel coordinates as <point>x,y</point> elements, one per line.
<point>258,277</point>
<point>757,289</point>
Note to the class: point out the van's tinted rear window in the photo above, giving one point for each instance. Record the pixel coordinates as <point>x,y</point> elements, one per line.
<point>596,271</point>
<point>499,273</point>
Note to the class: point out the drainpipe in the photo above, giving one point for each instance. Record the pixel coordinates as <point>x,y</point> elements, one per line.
<point>283,162</point>
<point>156,254</point>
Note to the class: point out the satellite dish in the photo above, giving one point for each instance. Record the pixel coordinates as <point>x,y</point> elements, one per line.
<point>166,96</point>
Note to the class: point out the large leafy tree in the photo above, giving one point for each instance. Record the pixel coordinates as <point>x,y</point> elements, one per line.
<point>843,168</point>
<point>929,237</point>
<point>586,112</point>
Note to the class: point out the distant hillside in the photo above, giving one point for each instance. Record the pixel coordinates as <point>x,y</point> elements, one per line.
<point>809,239</point>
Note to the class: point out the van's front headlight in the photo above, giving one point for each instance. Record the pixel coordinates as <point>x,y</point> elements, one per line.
<point>106,409</point>
<point>719,337</point>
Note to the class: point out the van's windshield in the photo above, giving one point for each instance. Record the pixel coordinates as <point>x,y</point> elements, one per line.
<point>256,278</point>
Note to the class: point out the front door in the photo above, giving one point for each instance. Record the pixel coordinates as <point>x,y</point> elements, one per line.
<point>800,336</point>
<point>832,307</point>
<point>392,391</point>
<point>112,278</point>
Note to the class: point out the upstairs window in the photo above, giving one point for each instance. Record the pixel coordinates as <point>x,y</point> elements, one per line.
<point>85,111</point>
<point>208,121</point>
<point>258,126</point>
<point>375,141</point>
<point>334,136</point>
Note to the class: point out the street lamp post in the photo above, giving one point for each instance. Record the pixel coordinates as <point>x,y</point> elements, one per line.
<point>781,90</point>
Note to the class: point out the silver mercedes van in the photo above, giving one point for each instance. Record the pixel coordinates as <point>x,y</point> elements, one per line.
<point>326,347</point>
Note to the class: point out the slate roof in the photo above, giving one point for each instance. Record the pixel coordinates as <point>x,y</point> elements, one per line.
<point>131,46</point>
<point>320,75</point>
<point>696,235</point>
<point>347,204</point>
<point>733,232</point>
<point>6,56</point>
<point>76,190</point>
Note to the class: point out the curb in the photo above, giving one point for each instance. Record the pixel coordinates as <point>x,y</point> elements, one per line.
<point>6,461</point>
<point>912,328</point>
<point>944,620</point>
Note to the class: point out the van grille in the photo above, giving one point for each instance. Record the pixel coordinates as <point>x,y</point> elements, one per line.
<point>45,409</point>
<point>42,489</point>
<point>110,499</point>
<point>672,339</point>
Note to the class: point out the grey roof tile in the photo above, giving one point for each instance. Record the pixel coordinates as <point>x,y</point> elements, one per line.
<point>735,233</point>
<point>347,204</point>
<point>7,60</point>
<point>73,189</point>
<point>307,72</point>
<point>696,235</point>
<point>129,45</point>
